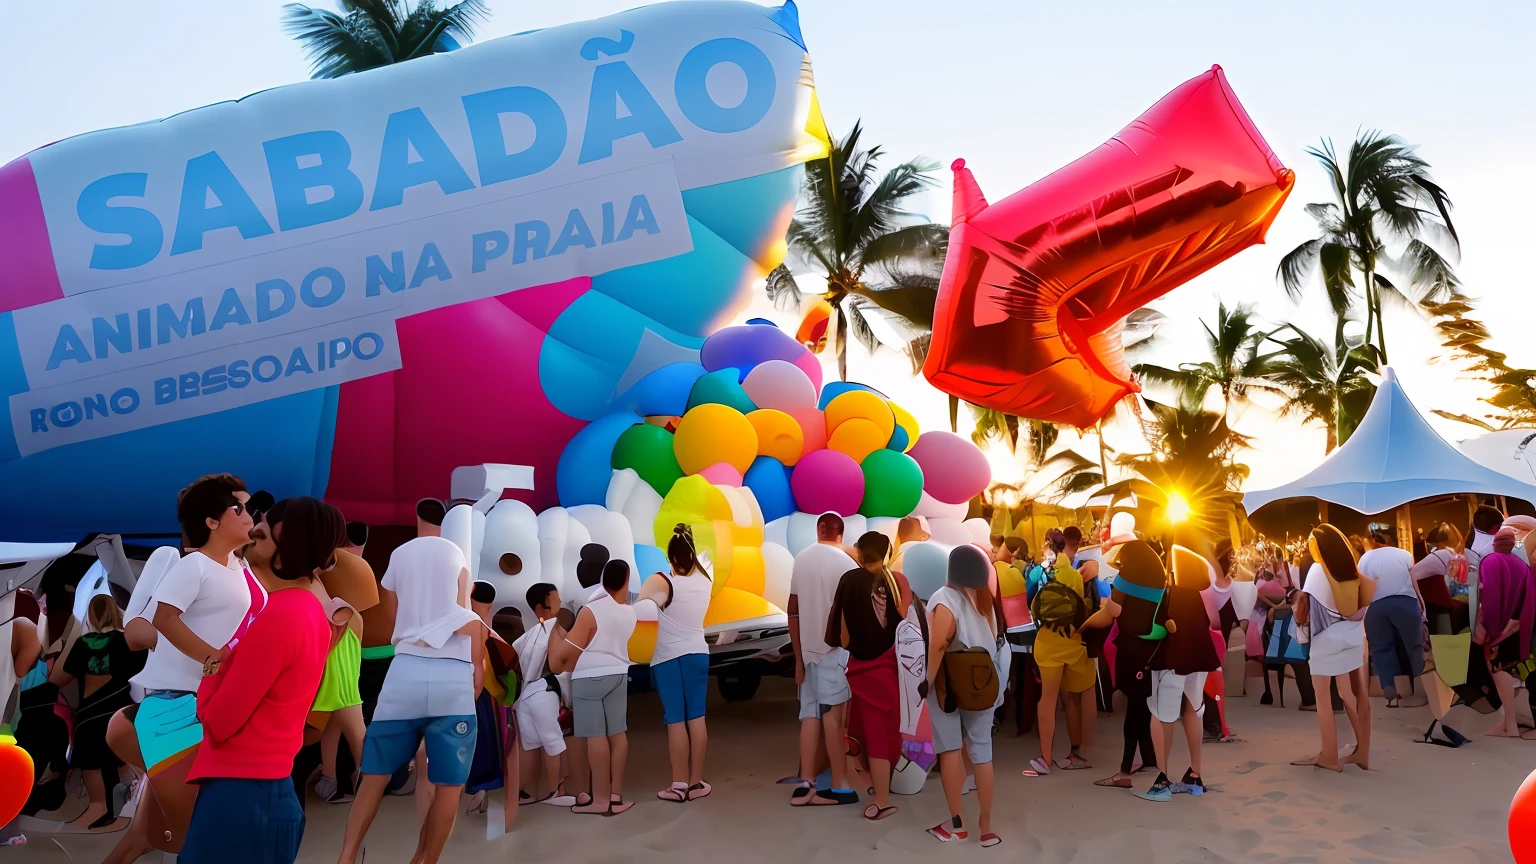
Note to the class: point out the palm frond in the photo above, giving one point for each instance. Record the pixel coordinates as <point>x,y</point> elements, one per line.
<point>926,242</point>
<point>782,290</point>
<point>910,296</point>
<point>858,325</point>
<point>1297,265</point>
<point>1464,418</point>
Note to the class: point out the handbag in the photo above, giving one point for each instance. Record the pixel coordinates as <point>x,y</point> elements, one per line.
<point>967,681</point>
<point>1284,647</point>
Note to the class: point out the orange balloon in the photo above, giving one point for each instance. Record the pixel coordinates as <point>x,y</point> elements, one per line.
<point>813,327</point>
<point>857,438</point>
<point>778,435</point>
<point>15,780</point>
<point>861,404</point>
<point>1522,822</point>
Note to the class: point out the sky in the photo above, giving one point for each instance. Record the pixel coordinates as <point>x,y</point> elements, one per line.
<point>1016,88</point>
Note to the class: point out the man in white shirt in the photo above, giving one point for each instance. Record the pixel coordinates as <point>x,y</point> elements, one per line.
<point>195,610</point>
<point>821,671</point>
<point>428,696</point>
<point>1394,622</point>
<point>537,706</point>
<point>1486,521</point>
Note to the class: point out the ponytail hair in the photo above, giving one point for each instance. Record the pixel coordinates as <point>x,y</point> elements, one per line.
<point>682,553</point>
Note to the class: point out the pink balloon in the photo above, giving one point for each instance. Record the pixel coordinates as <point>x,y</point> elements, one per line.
<point>813,428</point>
<point>781,385</point>
<point>954,469</point>
<point>722,474</point>
<point>811,366</point>
<point>827,480</point>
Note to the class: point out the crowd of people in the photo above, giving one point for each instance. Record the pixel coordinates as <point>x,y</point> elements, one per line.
<point>265,658</point>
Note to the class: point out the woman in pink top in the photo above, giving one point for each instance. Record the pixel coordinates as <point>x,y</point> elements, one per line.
<point>253,707</point>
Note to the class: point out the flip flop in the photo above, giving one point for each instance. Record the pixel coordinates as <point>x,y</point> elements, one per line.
<point>833,798</point>
<point>878,812</point>
<point>1037,768</point>
<point>1078,765</point>
<point>801,797</point>
<point>677,793</point>
<point>699,790</point>
<point>617,807</point>
<point>1112,783</point>
<point>988,840</point>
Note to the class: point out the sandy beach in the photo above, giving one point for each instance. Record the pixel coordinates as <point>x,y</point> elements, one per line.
<point>1418,803</point>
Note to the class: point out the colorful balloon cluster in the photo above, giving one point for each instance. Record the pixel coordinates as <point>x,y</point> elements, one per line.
<point>752,413</point>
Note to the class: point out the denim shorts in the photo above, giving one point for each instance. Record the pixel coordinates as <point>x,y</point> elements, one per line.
<point>390,744</point>
<point>683,684</point>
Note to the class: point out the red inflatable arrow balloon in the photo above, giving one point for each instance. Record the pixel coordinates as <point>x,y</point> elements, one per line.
<point>1036,286</point>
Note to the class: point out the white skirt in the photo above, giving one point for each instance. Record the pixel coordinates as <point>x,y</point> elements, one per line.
<point>1338,650</point>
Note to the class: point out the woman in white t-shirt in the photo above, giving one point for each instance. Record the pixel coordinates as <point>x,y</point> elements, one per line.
<point>680,663</point>
<point>1394,623</point>
<point>1332,607</point>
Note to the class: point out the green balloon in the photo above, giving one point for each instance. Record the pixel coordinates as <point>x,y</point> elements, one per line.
<point>648,450</point>
<point>893,484</point>
<point>721,387</point>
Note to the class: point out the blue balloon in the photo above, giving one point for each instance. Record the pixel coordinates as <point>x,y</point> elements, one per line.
<point>586,465</point>
<point>723,386</point>
<point>833,389</point>
<point>898,440</point>
<point>664,392</point>
<point>769,481</point>
<point>761,322</point>
<point>926,566</point>
<point>649,560</point>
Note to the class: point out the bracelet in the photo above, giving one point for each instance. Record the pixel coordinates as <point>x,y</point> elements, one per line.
<point>211,665</point>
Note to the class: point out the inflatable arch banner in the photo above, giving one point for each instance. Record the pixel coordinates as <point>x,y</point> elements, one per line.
<point>350,287</point>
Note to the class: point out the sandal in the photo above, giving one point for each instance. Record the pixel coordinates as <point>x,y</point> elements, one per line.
<point>874,812</point>
<point>617,805</point>
<point>1074,763</point>
<point>833,797</point>
<point>699,790</point>
<point>946,834</point>
<point>1118,781</point>
<point>802,795</point>
<point>1037,768</point>
<point>677,793</point>
<point>988,840</point>
<point>1394,702</point>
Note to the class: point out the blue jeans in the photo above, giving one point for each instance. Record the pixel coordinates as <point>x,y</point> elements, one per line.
<point>238,821</point>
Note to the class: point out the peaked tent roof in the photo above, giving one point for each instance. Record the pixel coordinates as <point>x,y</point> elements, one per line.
<point>1392,458</point>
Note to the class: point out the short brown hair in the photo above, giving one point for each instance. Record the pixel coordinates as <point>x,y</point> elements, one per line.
<point>207,498</point>
<point>873,547</point>
<point>312,531</point>
<point>829,526</point>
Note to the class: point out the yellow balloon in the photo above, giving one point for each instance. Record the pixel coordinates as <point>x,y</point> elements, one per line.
<point>733,605</point>
<point>858,437</point>
<point>905,420</point>
<point>642,643</point>
<point>861,404</point>
<point>712,433</point>
<point>778,435</point>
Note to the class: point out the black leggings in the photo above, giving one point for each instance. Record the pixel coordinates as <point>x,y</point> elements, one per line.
<point>1138,733</point>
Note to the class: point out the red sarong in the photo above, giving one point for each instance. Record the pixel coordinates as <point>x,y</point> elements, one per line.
<point>874,712</point>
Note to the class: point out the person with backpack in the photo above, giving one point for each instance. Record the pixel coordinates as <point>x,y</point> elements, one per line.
<point>1505,620</point>
<point>866,610</point>
<point>968,659</point>
<point>1060,613</point>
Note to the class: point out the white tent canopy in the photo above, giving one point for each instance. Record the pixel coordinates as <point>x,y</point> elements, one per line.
<point>1393,457</point>
<point>1507,451</point>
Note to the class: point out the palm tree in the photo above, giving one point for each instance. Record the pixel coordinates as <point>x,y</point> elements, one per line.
<point>1323,383</point>
<point>367,34</point>
<point>1236,365</point>
<point>991,424</point>
<point>1514,389</point>
<point>1193,453</point>
<point>1386,216</point>
<point>853,227</point>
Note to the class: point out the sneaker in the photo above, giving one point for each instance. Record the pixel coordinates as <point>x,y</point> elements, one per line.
<point>1192,784</point>
<point>330,792</point>
<point>1162,790</point>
